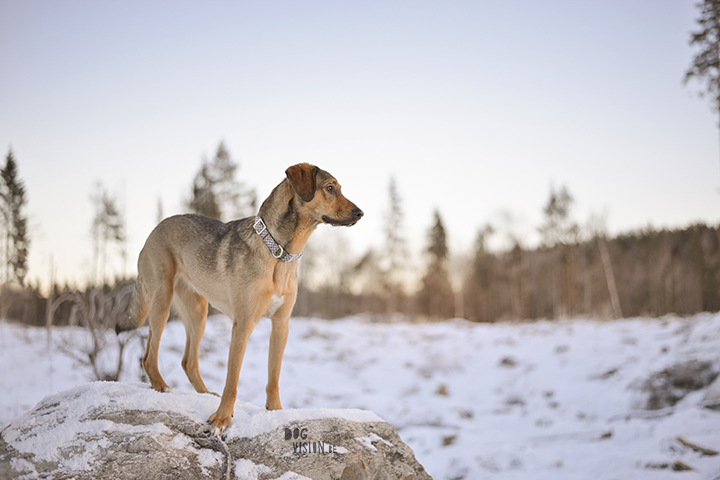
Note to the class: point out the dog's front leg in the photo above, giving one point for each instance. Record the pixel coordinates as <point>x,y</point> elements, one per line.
<point>278,340</point>
<point>241,331</point>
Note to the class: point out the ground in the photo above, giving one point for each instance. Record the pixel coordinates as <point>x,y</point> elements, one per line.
<point>562,400</point>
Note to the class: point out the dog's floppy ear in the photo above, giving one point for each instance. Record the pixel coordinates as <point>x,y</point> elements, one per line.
<point>302,178</point>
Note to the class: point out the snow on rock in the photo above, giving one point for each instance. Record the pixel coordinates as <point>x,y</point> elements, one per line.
<point>121,431</point>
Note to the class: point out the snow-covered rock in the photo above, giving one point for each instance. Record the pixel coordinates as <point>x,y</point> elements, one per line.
<point>106,430</point>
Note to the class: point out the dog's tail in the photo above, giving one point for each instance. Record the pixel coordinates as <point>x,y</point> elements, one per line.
<point>137,313</point>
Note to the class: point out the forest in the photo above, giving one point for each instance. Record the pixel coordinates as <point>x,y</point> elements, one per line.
<point>573,272</point>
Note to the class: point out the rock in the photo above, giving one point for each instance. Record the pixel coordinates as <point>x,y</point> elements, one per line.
<point>711,399</point>
<point>669,386</point>
<point>108,430</point>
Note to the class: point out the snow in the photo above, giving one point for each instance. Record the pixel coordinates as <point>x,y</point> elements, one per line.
<point>558,400</point>
<point>208,459</point>
<point>249,470</point>
<point>367,442</point>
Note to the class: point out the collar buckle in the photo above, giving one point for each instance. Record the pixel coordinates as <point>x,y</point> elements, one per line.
<point>259,226</point>
<point>276,250</point>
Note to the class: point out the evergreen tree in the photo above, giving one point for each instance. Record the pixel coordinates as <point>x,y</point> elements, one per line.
<point>435,298</point>
<point>217,193</point>
<point>17,241</point>
<point>203,199</point>
<point>705,66</point>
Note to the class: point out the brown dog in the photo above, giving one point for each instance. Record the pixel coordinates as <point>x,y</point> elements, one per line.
<point>243,268</point>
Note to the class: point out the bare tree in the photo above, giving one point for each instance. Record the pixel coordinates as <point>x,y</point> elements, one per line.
<point>108,227</point>
<point>597,229</point>
<point>395,253</point>
<point>98,312</point>
<point>560,229</point>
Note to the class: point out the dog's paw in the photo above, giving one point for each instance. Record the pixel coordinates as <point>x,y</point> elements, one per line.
<point>162,388</point>
<point>218,424</point>
<point>273,404</point>
<point>213,393</point>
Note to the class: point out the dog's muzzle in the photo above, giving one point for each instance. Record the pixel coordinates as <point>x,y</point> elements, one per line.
<point>356,215</point>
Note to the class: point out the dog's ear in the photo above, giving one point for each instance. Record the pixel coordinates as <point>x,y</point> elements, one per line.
<point>302,178</point>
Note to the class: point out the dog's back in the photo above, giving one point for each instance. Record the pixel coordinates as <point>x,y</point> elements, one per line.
<point>194,249</point>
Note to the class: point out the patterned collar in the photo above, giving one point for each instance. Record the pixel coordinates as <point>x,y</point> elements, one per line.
<point>276,249</point>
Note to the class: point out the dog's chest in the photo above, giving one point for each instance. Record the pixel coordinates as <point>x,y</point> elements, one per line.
<point>277,301</point>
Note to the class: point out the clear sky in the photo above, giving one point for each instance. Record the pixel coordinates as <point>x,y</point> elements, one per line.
<point>476,107</point>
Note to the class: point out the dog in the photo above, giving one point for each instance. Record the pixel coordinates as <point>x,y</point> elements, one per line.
<point>244,268</point>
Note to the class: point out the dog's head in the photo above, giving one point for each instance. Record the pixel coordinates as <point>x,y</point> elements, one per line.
<point>322,195</point>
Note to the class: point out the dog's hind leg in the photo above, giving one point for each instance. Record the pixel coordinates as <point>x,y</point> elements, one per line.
<point>193,309</point>
<point>159,304</point>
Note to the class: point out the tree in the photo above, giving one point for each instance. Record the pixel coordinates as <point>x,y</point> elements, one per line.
<point>435,298</point>
<point>705,66</point>
<point>107,227</point>
<point>215,191</point>
<point>203,200</point>
<point>479,279</point>
<point>17,241</point>
<point>396,253</point>
<point>558,228</point>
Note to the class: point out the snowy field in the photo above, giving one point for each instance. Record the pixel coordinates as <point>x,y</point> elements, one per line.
<point>545,400</point>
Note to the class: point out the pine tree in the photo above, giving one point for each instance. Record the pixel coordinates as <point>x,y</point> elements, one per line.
<point>17,241</point>
<point>217,193</point>
<point>435,298</point>
<point>203,199</point>
<point>705,66</point>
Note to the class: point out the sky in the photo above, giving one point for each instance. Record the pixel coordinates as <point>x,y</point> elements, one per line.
<point>476,108</point>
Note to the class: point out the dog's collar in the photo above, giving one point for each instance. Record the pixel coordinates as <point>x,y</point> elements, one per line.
<point>276,249</point>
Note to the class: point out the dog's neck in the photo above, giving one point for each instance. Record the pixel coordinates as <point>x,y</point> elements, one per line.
<point>281,216</point>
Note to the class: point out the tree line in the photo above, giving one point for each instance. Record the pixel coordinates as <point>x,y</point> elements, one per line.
<point>574,271</point>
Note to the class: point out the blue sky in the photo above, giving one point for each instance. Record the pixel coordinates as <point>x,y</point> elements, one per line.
<point>476,108</point>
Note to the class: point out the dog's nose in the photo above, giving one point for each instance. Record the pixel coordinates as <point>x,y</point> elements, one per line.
<point>357,213</point>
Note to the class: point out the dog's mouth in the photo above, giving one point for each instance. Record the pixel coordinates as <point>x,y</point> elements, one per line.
<point>357,214</point>
<point>338,223</point>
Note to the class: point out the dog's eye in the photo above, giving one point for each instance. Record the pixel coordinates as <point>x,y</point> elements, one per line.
<point>330,189</point>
